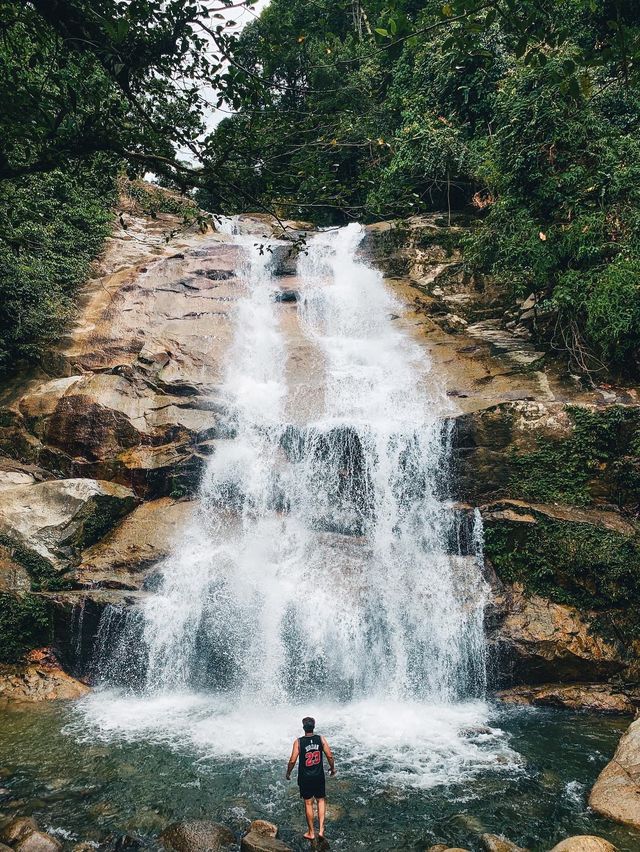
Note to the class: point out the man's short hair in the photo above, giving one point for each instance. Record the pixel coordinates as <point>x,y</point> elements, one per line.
<point>308,724</point>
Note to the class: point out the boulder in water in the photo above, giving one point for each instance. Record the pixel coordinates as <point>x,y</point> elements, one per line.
<point>38,841</point>
<point>616,793</point>
<point>498,843</point>
<point>197,836</point>
<point>254,841</point>
<point>263,827</point>
<point>584,843</point>
<point>594,697</point>
<point>17,830</point>
<point>39,678</point>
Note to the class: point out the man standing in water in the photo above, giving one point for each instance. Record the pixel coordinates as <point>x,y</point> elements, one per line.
<point>308,751</point>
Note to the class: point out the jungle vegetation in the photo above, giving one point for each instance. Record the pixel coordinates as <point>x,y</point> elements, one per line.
<point>524,112</point>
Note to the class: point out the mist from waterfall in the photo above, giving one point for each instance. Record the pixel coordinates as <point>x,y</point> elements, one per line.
<point>326,566</point>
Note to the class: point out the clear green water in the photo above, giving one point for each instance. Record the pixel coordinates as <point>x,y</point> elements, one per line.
<point>87,788</point>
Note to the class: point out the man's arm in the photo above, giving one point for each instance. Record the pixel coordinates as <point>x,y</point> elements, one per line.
<point>327,750</point>
<point>295,751</point>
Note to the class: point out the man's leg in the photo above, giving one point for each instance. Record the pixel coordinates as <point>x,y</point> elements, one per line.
<point>308,812</point>
<point>322,804</point>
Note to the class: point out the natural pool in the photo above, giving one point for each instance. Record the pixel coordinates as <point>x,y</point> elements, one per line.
<point>118,765</point>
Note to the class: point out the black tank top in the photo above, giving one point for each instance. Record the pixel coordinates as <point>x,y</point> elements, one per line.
<point>310,762</point>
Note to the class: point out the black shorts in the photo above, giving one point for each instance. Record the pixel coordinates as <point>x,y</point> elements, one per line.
<point>312,788</point>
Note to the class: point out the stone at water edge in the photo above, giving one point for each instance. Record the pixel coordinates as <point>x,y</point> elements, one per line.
<point>255,842</point>
<point>4,848</point>
<point>263,827</point>
<point>17,829</point>
<point>497,843</point>
<point>616,793</point>
<point>38,841</point>
<point>39,678</point>
<point>197,836</point>
<point>584,843</point>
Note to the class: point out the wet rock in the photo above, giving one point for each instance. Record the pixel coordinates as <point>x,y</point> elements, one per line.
<point>197,836</point>
<point>54,520</point>
<point>257,842</point>
<point>594,697</point>
<point>439,847</point>
<point>616,793</point>
<point>539,640</point>
<point>39,678</point>
<point>143,538</point>
<point>498,843</point>
<point>4,848</point>
<point>584,843</point>
<point>263,827</point>
<point>287,296</point>
<point>38,841</point>
<point>17,830</point>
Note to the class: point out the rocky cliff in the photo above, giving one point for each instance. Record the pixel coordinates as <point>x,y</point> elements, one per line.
<point>101,451</point>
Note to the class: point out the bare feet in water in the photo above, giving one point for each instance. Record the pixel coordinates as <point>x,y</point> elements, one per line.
<point>309,836</point>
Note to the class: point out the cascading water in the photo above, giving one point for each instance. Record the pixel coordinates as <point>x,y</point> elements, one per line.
<point>325,570</point>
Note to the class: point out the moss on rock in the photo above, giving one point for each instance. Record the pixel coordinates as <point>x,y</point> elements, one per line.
<point>572,563</point>
<point>25,623</point>
<point>599,458</point>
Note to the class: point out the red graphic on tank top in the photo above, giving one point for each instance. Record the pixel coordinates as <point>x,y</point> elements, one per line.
<point>312,758</point>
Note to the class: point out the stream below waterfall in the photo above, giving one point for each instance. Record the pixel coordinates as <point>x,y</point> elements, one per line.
<point>134,771</point>
<point>326,572</point>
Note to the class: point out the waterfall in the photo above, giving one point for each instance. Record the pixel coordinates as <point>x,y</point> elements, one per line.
<point>326,564</point>
<point>322,560</point>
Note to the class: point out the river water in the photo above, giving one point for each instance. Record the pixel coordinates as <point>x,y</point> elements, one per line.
<point>326,573</point>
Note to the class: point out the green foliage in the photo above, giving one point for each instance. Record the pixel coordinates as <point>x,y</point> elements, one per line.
<point>571,563</point>
<point>25,623</point>
<point>51,227</point>
<point>86,76</point>
<point>154,199</point>
<point>530,111</point>
<point>562,471</point>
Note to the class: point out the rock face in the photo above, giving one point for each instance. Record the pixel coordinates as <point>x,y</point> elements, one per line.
<point>595,697</point>
<point>40,678</point>
<point>584,843</point>
<point>538,640</point>
<point>120,560</point>
<point>197,836</point>
<point>616,793</point>
<point>55,520</point>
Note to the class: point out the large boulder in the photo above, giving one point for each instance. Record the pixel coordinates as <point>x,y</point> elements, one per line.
<point>45,525</point>
<point>17,829</point>
<point>616,793</point>
<point>38,841</point>
<point>39,678</point>
<point>197,836</point>
<point>584,843</point>
<point>257,841</point>
<point>537,641</point>
<point>498,843</point>
<point>143,538</point>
